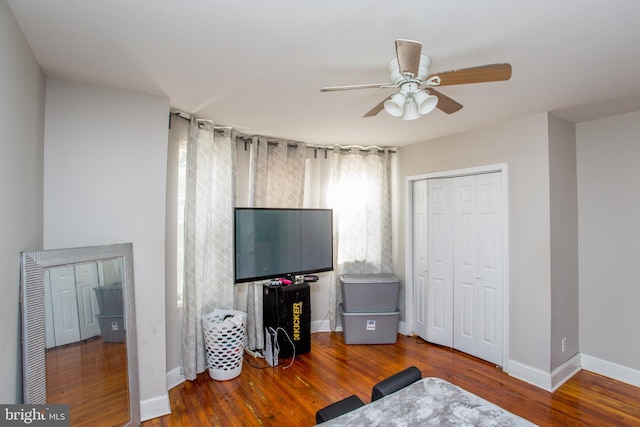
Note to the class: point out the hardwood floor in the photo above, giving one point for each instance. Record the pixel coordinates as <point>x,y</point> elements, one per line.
<point>290,396</point>
<point>90,377</point>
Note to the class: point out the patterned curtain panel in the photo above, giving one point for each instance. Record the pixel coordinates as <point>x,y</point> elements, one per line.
<point>361,200</point>
<point>210,198</point>
<point>276,180</point>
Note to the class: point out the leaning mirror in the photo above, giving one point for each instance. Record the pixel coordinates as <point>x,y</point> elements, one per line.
<point>79,333</point>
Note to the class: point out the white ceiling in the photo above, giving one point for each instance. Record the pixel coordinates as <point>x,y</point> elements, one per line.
<point>258,65</point>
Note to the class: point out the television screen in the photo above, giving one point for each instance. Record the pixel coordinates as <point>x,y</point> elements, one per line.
<point>272,243</point>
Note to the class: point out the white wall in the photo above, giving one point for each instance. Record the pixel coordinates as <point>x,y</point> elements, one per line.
<point>608,152</point>
<point>523,145</point>
<point>105,182</point>
<point>22,91</point>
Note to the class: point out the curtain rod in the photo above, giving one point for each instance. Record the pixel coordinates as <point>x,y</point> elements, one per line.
<point>249,138</point>
<point>188,117</point>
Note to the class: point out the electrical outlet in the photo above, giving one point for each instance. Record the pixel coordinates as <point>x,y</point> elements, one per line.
<point>564,344</point>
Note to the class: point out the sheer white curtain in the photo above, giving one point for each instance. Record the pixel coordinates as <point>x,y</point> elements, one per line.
<point>361,200</point>
<point>276,180</point>
<point>208,247</point>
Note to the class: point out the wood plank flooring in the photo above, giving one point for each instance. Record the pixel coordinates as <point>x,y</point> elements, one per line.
<point>91,377</point>
<point>290,396</point>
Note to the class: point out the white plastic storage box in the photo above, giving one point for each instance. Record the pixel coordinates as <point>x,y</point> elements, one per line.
<point>111,327</point>
<point>370,328</point>
<point>369,293</point>
<point>224,332</point>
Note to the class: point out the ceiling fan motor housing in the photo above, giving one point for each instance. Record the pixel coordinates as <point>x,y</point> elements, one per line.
<point>423,70</point>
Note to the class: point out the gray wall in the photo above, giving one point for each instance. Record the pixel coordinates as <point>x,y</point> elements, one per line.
<point>608,152</point>
<point>22,92</point>
<point>564,240</point>
<point>574,200</point>
<point>523,145</point>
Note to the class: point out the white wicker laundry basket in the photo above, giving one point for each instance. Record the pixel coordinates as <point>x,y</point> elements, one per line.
<point>224,341</point>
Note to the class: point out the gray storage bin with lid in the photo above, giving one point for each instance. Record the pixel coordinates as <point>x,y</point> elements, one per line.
<point>109,299</point>
<point>370,328</point>
<point>369,293</point>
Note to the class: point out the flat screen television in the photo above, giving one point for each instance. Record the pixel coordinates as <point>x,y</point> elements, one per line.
<point>274,243</point>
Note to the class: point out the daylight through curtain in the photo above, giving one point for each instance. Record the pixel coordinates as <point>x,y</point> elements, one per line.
<point>208,246</point>
<point>276,180</point>
<point>361,201</point>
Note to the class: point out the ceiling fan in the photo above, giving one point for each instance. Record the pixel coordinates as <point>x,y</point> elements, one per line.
<point>410,72</point>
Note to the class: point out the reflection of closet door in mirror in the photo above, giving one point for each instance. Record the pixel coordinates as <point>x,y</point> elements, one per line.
<point>70,304</point>
<point>86,280</point>
<point>64,305</point>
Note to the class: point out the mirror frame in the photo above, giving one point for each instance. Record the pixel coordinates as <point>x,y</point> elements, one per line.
<point>33,265</point>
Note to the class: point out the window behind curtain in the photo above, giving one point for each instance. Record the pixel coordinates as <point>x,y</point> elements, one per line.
<point>182,185</point>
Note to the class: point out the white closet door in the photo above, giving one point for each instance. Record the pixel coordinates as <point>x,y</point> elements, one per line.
<point>440,249</point>
<point>64,305</point>
<point>464,294</point>
<point>86,280</point>
<point>465,261</point>
<point>420,257</point>
<point>478,266</point>
<point>490,278</point>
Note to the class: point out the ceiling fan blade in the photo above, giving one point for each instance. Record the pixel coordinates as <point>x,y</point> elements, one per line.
<point>480,74</point>
<point>375,110</point>
<point>408,54</point>
<point>445,103</point>
<point>353,87</point>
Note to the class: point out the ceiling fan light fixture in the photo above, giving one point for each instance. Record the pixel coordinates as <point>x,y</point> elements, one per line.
<point>425,102</point>
<point>395,105</point>
<point>410,110</point>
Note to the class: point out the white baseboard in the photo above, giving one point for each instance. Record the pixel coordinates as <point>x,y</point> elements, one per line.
<point>561,374</point>
<point>544,380</point>
<point>174,378</point>
<point>402,328</point>
<point>551,382</point>
<point>611,370</point>
<point>529,374</point>
<point>320,326</point>
<point>155,407</point>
